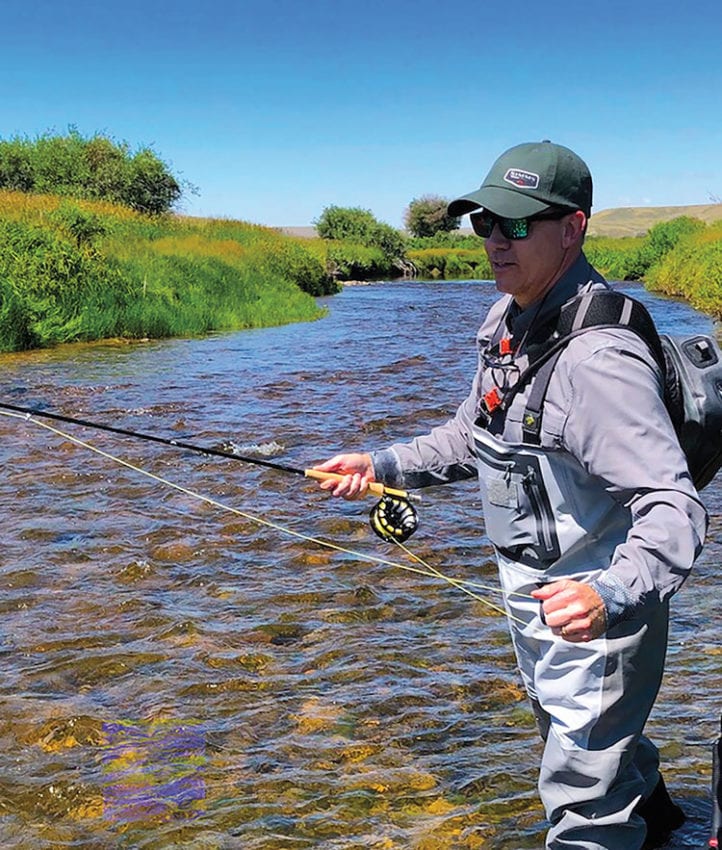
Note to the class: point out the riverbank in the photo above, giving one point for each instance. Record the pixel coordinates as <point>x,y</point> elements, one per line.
<point>79,271</point>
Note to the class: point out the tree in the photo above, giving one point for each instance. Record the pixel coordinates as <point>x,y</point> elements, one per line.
<point>151,188</point>
<point>427,216</point>
<point>353,224</point>
<point>364,247</point>
<point>97,168</point>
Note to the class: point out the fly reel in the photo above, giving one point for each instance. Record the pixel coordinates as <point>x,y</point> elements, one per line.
<point>394,519</point>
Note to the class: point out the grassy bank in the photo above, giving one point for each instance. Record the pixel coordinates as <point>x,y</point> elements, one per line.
<point>450,256</point>
<point>83,270</point>
<point>693,271</point>
<point>616,258</point>
<point>74,270</point>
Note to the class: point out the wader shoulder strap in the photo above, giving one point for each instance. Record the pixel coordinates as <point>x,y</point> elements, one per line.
<point>531,421</point>
<point>603,308</point>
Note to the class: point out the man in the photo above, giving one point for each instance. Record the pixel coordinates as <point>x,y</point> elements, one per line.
<point>595,527</point>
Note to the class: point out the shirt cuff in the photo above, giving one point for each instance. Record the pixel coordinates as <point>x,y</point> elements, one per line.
<point>387,468</point>
<point>618,600</point>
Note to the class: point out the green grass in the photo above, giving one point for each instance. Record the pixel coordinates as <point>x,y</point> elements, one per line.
<point>451,263</point>
<point>614,257</point>
<point>80,271</point>
<point>693,271</point>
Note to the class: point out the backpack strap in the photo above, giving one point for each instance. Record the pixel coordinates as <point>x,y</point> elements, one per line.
<point>608,308</point>
<point>602,308</point>
<point>531,421</point>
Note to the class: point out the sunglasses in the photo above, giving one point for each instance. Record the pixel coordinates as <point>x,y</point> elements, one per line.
<point>511,228</point>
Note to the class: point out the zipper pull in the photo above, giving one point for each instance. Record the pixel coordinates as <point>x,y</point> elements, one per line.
<point>492,399</point>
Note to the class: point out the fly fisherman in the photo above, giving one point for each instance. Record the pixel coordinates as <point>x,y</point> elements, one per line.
<point>599,521</point>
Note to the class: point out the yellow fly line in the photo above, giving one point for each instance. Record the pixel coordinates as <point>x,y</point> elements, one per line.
<point>468,587</point>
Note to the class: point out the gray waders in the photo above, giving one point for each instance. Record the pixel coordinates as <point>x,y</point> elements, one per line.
<point>549,520</point>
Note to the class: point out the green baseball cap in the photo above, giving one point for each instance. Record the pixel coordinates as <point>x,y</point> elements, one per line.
<point>528,179</point>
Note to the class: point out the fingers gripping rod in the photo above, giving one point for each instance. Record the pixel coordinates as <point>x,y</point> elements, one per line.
<point>374,487</point>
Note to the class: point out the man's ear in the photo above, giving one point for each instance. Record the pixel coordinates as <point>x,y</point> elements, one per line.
<point>575,226</point>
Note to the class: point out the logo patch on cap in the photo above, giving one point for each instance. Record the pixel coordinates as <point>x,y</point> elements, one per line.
<point>523,179</point>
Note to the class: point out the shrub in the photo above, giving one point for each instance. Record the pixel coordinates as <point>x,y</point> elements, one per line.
<point>94,168</point>
<point>349,261</point>
<point>660,240</point>
<point>451,263</point>
<point>346,223</point>
<point>614,257</point>
<point>427,216</point>
<point>360,227</point>
<point>693,270</point>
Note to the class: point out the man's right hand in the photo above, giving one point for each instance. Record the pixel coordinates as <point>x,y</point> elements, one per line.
<point>357,470</point>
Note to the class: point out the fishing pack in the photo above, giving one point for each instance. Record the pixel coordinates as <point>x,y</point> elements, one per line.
<point>691,366</point>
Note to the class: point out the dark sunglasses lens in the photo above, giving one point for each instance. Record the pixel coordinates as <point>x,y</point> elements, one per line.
<point>511,228</point>
<point>482,224</point>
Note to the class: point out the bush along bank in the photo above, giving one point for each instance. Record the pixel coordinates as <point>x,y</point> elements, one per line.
<point>450,256</point>
<point>81,270</point>
<point>681,258</point>
<point>692,270</point>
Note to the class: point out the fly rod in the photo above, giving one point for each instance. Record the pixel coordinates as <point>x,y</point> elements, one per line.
<point>374,486</point>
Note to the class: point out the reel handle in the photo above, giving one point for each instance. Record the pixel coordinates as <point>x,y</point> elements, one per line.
<point>375,487</point>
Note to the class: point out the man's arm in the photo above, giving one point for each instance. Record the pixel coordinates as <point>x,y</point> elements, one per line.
<point>443,455</point>
<point>618,428</point>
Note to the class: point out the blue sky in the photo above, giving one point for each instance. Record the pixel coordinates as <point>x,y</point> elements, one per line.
<point>276,109</point>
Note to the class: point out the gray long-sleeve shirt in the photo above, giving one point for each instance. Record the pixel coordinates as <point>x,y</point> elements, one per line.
<point>605,408</point>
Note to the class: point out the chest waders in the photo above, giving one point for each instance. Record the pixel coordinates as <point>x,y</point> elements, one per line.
<point>692,375</point>
<point>549,520</point>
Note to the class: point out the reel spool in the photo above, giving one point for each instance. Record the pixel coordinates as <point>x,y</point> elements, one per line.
<point>394,519</point>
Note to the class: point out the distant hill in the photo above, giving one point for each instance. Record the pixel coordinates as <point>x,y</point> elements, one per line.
<point>636,221</point>
<point>299,232</point>
<point>620,221</point>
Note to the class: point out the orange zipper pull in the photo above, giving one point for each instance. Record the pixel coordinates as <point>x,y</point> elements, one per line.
<point>492,399</point>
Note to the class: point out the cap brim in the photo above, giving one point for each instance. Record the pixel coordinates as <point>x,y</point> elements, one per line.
<point>503,202</point>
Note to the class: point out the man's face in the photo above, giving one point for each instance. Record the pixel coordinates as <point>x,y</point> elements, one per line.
<point>527,268</point>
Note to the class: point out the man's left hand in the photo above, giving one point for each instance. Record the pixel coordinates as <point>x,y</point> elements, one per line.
<point>573,610</point>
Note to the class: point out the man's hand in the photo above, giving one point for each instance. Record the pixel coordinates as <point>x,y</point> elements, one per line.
<point>573,610</point>
<point>357,471</point>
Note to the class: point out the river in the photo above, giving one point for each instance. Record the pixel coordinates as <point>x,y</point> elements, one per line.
<point>178,675</point>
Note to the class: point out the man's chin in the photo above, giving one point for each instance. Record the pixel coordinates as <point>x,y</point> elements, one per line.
<point>503,284</point>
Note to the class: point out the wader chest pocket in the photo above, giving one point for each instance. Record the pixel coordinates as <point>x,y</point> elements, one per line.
<point>503,492</point>
<point>518,513</point>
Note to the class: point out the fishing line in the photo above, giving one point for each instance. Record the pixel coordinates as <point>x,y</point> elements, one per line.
<point>427,570</point>
<point>464,586</point>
